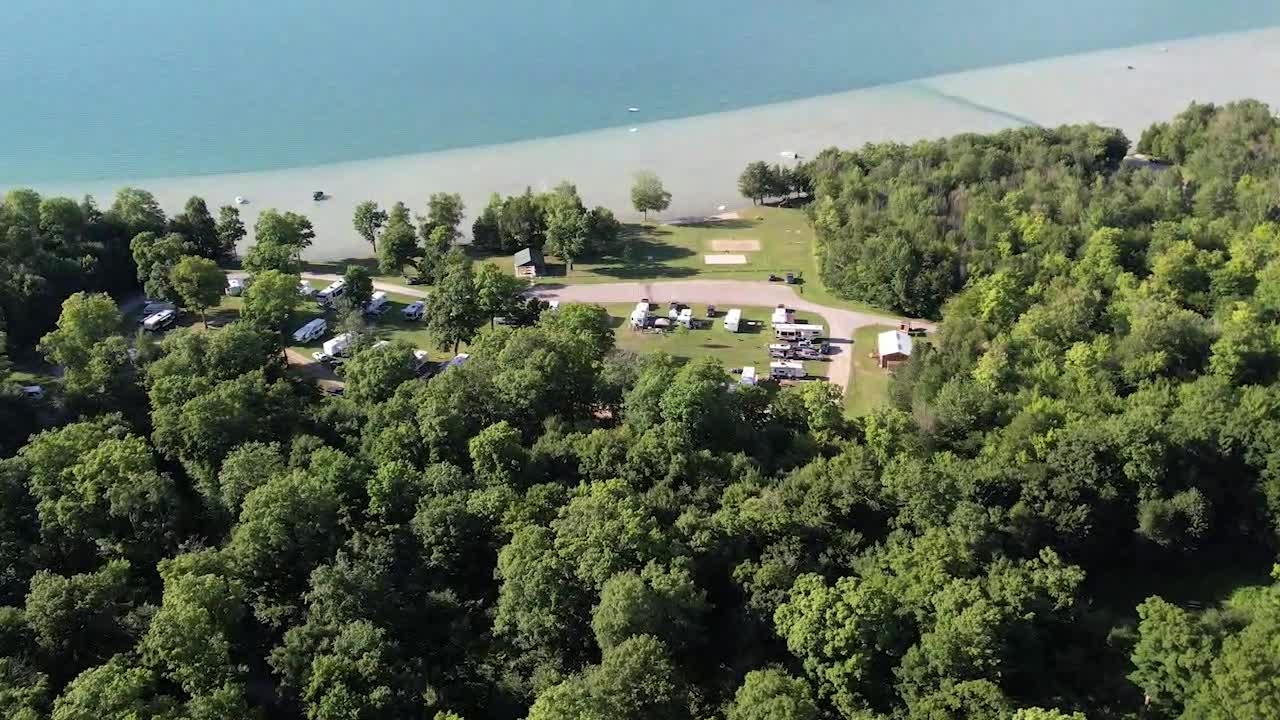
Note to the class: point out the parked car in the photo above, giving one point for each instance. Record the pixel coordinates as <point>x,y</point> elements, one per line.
<point>711,311</point>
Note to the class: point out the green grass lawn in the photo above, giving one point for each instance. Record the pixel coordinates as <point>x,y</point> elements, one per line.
<point>733,350</point>
<point>869,385</point>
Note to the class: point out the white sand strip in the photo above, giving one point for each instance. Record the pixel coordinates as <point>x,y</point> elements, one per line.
<point>724,259</point>
<point>730,245</point>
<point>699,158</point>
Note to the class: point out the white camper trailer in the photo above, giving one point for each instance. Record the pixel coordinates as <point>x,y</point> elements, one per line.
<point>797,331</point>
<point>378,303</point>
<point>159,321</point>
<point>782,315</point>
<point>338,345</point>
<point>733,320</point>
<point>639,318</point>
<point>748,375</point>
<point>313,330</point>
<point>685,317</point>
<point>786,370</point>
<point>334,291</point>
<point>781,351</point>
<point>236,285</point>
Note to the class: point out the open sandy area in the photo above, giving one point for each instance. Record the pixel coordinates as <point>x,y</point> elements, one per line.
<point>724,259</point>
<point>699,158</point>
<point>726,245</point>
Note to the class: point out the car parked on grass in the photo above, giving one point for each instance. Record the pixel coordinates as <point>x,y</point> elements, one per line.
<point>414,310</point>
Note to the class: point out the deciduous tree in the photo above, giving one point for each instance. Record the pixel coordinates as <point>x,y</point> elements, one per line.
<point>198,284</point>
<point>648,194</point>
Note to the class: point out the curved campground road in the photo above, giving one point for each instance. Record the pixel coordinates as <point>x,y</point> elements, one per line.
<point>840,323</point>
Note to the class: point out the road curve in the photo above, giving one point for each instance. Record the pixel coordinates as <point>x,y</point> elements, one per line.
<point>727,293</point>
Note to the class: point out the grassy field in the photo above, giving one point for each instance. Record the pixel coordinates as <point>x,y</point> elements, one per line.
<point>869,385</point>
<point>677,252</point>
<point>734,350</point>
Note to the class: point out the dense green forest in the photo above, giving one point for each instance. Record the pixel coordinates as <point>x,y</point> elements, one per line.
<point>1069,511</point>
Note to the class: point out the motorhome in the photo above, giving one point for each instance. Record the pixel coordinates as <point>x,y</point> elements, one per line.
<point>313,330</point>
<point>414,310</point>
<point>748,375</point>
<point>733,320</point>
<point>338,345</point>
<point>332,292</point>
<point>786,370</point>
<point>160,320</point>
<point>378,303</point>
<point>797,331</point>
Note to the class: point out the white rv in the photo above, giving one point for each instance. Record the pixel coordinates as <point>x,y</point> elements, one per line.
<point>338,345</point>
<point>733,320</point>
<point>780,350</point>
<point>639,318</point>
<point>154,306</point>
<point>305,289</point>
<point>786,370</point>
<point>378,304</point>
<point>160,320</point>
<point>748,375</point>
<point>797,331</point>
<point>236,285</point>
<point>313,330</point>
<point>414,310</point>
<point>332,292</point>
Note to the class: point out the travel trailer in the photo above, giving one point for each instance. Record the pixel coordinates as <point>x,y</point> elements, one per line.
<point>313,330</point>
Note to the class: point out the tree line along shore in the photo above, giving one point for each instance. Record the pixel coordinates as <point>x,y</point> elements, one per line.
<point>1069,508</point>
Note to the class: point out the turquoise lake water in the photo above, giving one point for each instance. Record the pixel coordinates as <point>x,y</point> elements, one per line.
<point>97,89</point>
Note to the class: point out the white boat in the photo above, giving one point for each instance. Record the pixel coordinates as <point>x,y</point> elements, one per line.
<point>240,200</point>
<point>634,130</point>
<point>633,109</point>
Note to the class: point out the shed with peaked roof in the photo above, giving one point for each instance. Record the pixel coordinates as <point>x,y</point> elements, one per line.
<point>528,262</point>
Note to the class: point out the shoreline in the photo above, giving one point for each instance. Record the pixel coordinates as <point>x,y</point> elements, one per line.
<point>699,158</point>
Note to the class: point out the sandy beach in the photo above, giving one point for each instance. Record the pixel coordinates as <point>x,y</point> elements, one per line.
<point>699,158</point>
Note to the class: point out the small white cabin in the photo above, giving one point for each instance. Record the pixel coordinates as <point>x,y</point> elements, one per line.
<point>893,345</point>
<point>797,331</point>
<point>786,370</point>
<point>311,331</point>
<point>338,345</point>
<point>733,320</point>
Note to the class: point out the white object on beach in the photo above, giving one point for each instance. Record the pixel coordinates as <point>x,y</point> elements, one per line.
<point>634,130</point>
<point>633,109</point>
<point>789,154</point>
<point>240,200</point>
<point>720,208</point>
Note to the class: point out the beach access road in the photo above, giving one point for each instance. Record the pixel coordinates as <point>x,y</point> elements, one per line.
<point>727,293</point>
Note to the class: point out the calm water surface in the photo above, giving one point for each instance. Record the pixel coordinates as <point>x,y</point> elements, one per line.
<point>94,89</point>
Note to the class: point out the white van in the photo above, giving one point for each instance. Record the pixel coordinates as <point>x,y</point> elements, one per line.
<point>378,304</point>
<point>160,320</point>
<point>334,291</point>
<point>414,310</point>
<point>313,330</point>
